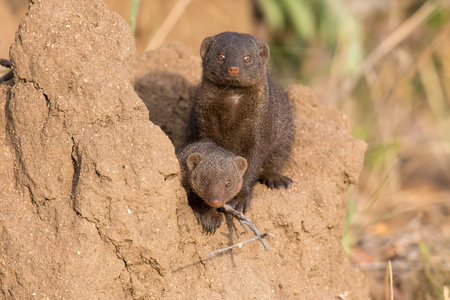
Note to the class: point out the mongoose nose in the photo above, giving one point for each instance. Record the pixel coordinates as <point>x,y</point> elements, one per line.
<point>215,202</point>
<point>233,70</point>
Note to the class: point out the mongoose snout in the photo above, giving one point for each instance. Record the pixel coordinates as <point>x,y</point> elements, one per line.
<point>233,70</point>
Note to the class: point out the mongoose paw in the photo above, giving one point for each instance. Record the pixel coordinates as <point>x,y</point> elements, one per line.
<point>276,180</point>
<point>210,220</point>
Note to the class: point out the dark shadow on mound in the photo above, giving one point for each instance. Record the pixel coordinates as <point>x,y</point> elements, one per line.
<point>169,98</point>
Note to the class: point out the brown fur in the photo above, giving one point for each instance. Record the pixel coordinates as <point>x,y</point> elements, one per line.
<point>211,176</point>
<point>240,108</point>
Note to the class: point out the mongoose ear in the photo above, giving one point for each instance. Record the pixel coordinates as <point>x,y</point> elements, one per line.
<point>264,50</point>
<point>241,164</point>
<point>193,160</point>
<point>205,45</point>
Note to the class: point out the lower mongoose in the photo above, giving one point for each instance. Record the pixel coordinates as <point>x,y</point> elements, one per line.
<point>240,108</point>
<point>211,177</point>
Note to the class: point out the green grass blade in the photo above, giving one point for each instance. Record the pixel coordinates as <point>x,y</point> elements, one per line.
<point>134,14</point>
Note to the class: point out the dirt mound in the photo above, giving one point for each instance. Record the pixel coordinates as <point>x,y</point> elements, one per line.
<point>91,202</point>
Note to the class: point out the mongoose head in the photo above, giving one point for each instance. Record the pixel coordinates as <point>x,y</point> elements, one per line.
<point>234,59</point>
<point>214,178</point>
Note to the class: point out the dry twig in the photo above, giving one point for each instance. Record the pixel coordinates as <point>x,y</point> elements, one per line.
<point>245,222</point>
<point>242,243</point>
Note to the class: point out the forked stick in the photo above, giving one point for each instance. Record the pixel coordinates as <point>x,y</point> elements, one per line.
<point>244,221</point>
<point>242,243</point>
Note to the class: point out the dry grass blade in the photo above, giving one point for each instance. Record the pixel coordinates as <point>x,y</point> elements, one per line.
<point>168,24</point>
<point>426,55</point>
<point>388,283</point>
<point>446,294</point>
<point>401,33</point>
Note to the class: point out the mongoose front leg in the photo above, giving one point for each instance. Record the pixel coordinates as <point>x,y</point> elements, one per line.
<point>208,217</point>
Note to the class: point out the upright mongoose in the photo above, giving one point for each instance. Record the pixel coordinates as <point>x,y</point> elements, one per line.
<point>211,177</point>
<point>240,108</point>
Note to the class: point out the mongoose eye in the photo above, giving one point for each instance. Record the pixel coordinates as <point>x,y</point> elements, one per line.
<point>205,182</point>
<point>221,57</point>
<point>247,58</point>
<point>228,183</point>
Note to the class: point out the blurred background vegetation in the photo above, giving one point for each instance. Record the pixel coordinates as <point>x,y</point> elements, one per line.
<point>386,64</point>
